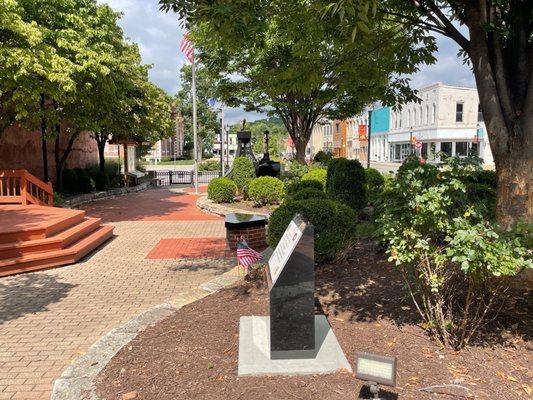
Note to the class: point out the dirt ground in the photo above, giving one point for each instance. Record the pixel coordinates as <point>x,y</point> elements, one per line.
<point>193,353</point>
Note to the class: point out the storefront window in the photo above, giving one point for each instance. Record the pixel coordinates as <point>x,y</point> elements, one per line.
<point>461,149</point>
<point>446,147</point>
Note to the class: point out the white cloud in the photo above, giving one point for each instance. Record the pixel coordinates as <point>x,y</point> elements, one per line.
<point>159,34</point>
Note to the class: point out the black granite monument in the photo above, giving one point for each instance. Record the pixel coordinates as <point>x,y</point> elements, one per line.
<point>292,293</point>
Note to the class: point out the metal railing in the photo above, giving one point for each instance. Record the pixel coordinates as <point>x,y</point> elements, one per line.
<point>167,178</point>
<point>21,187</point>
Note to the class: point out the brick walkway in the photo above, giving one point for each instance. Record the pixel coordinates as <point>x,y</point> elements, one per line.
<point>49,318</point>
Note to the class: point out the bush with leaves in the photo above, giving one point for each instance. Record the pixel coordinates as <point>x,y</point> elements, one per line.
<point>334,223</point>
<point>294,187</point>
<point>318,175</point>
<point>374,184</point>
<point>221,190</point>
<point>209,165</point>
<point>451,257</point>
<point>322,157</point>
<point>243,172</point>
<point>309,193</point>
<point>266,190</point>
<point>346,182</point>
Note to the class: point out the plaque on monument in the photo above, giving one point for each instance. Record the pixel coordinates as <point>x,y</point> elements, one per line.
<point>292,293</point>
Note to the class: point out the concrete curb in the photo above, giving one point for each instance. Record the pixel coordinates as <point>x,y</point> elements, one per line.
<point>204,204</point>
<point>77,381</point>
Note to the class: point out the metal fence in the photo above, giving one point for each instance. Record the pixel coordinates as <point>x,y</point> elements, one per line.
<point>184,177</point>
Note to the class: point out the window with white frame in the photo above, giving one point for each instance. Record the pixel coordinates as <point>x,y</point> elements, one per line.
<point>427,115</point>
<point>434,113</point>
<point>408,117</point>
<point>459,107</point>
<point>414,116</point>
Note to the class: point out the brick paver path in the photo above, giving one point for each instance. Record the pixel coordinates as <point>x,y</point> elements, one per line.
<point>49,318</point>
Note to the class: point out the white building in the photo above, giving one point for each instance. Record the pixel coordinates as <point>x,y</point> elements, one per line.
<point>448,119</point>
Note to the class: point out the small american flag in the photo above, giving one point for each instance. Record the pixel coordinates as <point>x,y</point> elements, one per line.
<point>186,47</point>
<point>247,256</point>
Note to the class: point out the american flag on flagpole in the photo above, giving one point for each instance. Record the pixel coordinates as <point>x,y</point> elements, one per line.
<point>247,256</point>
<point>186,47</point>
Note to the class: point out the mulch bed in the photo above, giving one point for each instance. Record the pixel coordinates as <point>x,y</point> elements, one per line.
<point>193,353</point>
<point>246,205</point>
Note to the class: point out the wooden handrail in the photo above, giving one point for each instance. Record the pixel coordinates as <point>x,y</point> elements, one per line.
<point>20,187</point>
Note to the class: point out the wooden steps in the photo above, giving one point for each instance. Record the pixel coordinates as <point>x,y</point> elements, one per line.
<point>35,237</point>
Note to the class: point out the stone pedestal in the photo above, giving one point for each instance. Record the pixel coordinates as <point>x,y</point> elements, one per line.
<point>255,351</point>
<point>250,227</point>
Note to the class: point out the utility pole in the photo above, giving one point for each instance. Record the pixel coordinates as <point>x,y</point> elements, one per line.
<point>369,137</point>
<point>194,128</point>
<point>227,145</point>
<point>222,139</point>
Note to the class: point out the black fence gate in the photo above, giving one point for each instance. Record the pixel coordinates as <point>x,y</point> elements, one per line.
<point>184,177</point>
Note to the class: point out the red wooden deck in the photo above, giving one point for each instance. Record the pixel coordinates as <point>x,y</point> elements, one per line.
<point>36,237</point>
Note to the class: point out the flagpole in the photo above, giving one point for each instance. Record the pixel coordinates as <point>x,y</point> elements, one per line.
<point>194,131</point>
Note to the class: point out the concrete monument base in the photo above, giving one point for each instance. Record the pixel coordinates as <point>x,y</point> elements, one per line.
<point>255,358</point>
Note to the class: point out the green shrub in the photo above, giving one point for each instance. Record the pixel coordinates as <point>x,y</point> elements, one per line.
<point>319,175</point>
<point>84,182</point>
<point>209,165</point>
<point>70,179</point>
<point>334,223</point>
<point>297,170</point>
<point>243,172</point>
<point>294,187</point>
<point>309,193</point>
<point>323,157</point>
<point>221,190</point>
<point>346,182</point>
<point>266,190</point>
<point>452,258</point>
<point>374,179</point>
<point>101,181</point>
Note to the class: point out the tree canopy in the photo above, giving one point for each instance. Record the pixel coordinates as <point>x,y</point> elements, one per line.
<point>291,59</point>
<point>65,66</point>
<point>499,47</point>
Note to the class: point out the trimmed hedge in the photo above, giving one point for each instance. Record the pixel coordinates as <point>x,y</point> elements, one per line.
<point>243,172</point>
<point>221,190</point>
<point>297,186</point>
<point>266,190</point>
<point>309,193</point>
<point>319,175</point>
<point>322,157</point>
<point>334,222</point>
<point>346,182</point>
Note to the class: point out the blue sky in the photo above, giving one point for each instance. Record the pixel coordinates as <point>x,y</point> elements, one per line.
<point>159,35</point>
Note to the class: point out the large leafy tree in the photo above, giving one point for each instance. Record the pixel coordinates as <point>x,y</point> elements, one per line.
<point>499,46</point>
<point>291,59</point>
<point>64,66</point>
<point>207,122</point>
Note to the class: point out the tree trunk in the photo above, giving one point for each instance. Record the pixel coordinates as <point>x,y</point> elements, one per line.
<point>300,146</point>
<point>101,141</point>
<point>514,175</point>
<point>509,128</point>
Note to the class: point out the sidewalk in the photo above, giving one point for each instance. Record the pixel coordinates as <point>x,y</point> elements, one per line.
<point>49,318</point>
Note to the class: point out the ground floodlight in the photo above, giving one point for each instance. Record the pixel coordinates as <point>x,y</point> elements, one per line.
<point>375,369</point>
